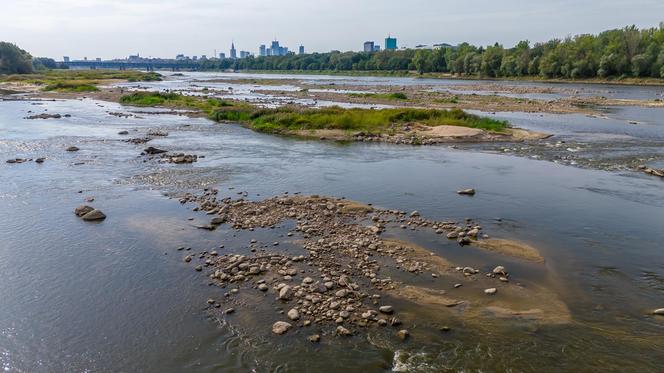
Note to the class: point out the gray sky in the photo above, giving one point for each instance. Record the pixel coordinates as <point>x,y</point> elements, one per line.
<point>162,28</point>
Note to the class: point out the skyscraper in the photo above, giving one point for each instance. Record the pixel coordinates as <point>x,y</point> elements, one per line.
<point>390,43</point>
<point>369,46</point>
<point>233,51</point>
<point>301,51</point>
<point>262,50</point>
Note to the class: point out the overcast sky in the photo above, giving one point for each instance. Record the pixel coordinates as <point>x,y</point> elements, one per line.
<point>163,28</point>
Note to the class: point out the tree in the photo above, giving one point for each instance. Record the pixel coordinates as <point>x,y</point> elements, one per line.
<point>14,60</point>
<point>420,60</point>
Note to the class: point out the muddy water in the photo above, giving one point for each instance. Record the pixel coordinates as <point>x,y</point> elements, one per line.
<point>116,295</point>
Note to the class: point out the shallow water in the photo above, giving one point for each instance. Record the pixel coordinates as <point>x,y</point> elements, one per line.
<point>116,296</point>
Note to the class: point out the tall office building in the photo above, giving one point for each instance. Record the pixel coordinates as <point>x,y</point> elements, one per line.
<point>262,51</point>
<point>369,46</point>
<point>390,43</point>
<point>222,56</point>
<point>233,51</point>
<point>301,51</point>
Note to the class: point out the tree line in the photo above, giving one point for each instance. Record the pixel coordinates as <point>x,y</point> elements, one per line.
<point>626,52</point>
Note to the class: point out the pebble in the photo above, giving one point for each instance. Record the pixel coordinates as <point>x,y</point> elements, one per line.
<point>490,291</point>
<point>262,287</point>
<point>659,311</point>
<point>293,314</point>
<point>314,338</point>
<point>386,309</point>
<point>343,331</point>
<point>281,327</point>
<point>198,268</point>
<point>285,293</point>
<point>229,311</point>
<point>499,270</point>
<point>72,149</point>
<point>403,334</point>
<point>187,258</point>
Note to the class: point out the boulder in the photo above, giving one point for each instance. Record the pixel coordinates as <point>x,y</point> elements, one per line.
<point>82,210</point>
<point>490,291</point>
<point>467,192</point>
<point>151,150</point>
<point>94,215</point>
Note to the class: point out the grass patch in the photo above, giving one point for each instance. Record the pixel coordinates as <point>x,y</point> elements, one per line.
<point>385,96</point>
<point>288,119</point>
<point>175,100</point>
<point>71,87</point>
<point>79,80</point>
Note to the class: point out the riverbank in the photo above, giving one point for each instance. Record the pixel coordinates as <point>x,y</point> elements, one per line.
<point>414,74</point>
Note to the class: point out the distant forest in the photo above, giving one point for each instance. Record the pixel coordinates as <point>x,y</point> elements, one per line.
<point>627,52</point>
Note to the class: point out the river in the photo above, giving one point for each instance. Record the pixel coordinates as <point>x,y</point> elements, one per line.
<point>116,295</point>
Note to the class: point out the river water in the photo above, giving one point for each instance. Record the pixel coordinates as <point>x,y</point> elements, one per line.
<point>116,295</point>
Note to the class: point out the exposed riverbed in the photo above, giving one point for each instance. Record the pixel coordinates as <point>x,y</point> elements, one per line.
<point>117,295</point>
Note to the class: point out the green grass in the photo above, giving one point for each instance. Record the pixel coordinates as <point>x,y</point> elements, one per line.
<point>70,87</point>
<point>386,96</point>
<point>175,100</point>
<point>288,119</point>
<point>79,80</point>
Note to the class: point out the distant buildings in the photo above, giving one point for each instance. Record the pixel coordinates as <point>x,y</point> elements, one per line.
<point>369,46</point>
<point>65,59</point>
<point>262,50</point>
<point>301,50</point>
<point>244,54</point>
<point>390,43</point>
<point>222,56</point>
<point>233,51</point>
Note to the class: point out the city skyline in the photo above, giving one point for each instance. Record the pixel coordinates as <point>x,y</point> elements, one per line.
<point>75,27</point>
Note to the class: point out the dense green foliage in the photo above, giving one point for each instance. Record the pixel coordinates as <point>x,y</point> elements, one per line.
<point>627,52</point>
<point>14,60</point>
<point>44,63</point>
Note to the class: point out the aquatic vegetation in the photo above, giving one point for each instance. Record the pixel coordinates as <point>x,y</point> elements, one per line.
<point>79,80</point>
<point>75,86</point>
<point>286,119</point>
<point>387,96</point>
<point>175,100</point>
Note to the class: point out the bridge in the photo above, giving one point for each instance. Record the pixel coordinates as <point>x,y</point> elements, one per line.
<point>134,65</point>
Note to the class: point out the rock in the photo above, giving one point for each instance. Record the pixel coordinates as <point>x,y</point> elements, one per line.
<point>659,311</point>
<point>285,293</point>
<point>490,291</point>
<point>218,220</point>
<point>386,309</point>
<point>229,311</point>
<point>343,331</point>
<point>414,214</point>
<point>198,268</point>
<point>445,329</point>
<point>72,149</point>
<point>467,192</point>
<point>456,286</point>
<point>281,327</point>
<point>293,314</point>
<point>40,160</point>
<point>262,287</point>
<point>403,334</point>
<point>453,235</point>
<point>187,258</point>
<point>94,215</point>
<point>210,301</point>
<point>123,133</point>
<point>499,270</point>
<point>152,150</point>
<point>314,338</point>
<point>82,210</point>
